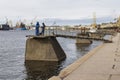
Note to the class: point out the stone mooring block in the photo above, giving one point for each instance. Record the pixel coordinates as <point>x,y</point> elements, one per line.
<point>83,41</point>
<point>44,49</point>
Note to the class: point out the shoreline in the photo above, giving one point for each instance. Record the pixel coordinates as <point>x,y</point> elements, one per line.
<point>72,67</point>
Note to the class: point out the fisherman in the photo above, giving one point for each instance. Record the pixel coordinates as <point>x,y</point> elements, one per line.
<point>37,29</point>
<point>43,29</point>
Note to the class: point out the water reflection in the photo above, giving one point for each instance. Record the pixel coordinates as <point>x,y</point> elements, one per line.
<point>82,49</point>
<point>41,70</point>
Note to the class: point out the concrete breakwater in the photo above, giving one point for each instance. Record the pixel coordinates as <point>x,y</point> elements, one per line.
<point>47,48</point>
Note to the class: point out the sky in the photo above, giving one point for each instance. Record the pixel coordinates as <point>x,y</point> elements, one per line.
<point>62,9</point>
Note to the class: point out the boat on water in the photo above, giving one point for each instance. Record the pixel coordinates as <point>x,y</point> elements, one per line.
<point>92,30</point>
<point>21,27</point>
<point>4,27</point>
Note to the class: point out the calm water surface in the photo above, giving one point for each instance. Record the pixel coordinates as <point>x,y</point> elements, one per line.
<point>12,54</point>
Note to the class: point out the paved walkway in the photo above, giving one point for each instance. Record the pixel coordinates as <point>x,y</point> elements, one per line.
<point>102,63</point>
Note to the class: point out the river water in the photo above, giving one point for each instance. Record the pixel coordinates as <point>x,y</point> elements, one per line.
<point>12,57</point>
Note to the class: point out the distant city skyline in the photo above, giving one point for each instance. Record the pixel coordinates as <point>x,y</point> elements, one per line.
<point>62,9</point>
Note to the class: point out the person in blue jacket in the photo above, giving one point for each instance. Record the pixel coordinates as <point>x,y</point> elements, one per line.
<point>37,29</point>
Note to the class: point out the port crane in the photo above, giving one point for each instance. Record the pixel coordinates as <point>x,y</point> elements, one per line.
<point>94,25</point>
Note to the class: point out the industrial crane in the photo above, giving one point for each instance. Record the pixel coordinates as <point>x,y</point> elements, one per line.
<point>94,25</point>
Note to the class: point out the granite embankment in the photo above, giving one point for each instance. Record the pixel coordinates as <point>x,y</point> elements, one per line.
<point>101,63</point>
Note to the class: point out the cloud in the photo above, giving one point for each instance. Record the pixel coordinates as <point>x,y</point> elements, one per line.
<point>68,9</point>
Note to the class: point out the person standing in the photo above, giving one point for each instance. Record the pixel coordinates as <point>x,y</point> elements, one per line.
<point>37,29</point>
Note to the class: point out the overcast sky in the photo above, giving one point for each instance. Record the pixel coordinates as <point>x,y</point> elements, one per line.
<point>63,9</point>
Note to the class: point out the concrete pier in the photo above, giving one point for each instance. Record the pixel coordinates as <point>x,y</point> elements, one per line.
<point>80,37</point>
<point>43,48</point>
<point>101,63</point>
<point>83,41</point>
